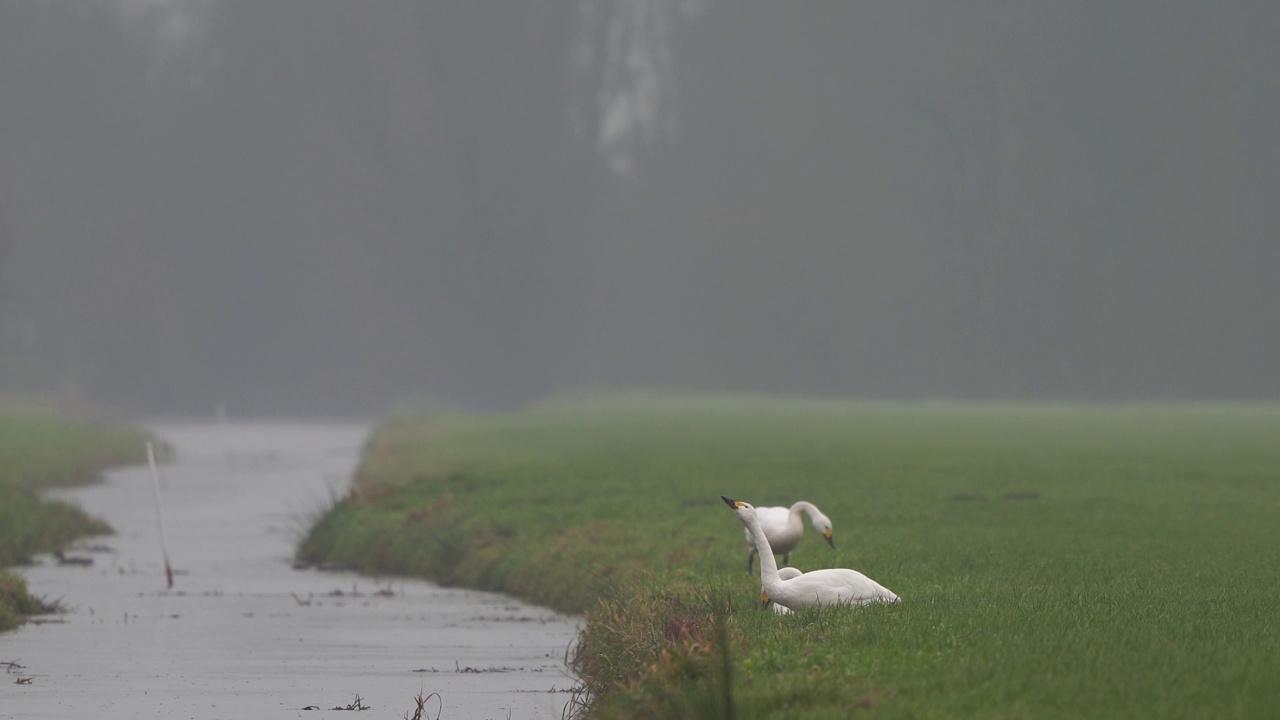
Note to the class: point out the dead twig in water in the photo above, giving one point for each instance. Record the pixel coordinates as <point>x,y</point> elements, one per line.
<point>577,705</point>
<point>51,607</point>
<point>300,601</point>
<point>470,670</point>
<point>65,559</point>
<point>357,704</point>
<point>23,680</point>
<point>421,701</point>
<point>10,666</point>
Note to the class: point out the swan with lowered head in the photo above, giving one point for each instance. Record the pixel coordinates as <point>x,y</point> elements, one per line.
<point>783,527</point>
<point>832,586</point>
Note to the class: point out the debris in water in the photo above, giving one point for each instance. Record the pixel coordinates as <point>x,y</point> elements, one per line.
<point>490,669</point>
<point>357,704</point>
<point>64,559</point>
<point>421,701</point>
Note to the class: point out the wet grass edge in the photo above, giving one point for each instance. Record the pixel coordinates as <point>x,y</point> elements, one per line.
<point>41,449</point>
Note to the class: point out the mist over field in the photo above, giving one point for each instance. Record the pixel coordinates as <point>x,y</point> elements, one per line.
<point>324,206</point>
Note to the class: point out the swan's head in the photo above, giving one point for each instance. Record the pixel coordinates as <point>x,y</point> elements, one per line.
<point>737,505</point>
<point>823,525</point>
<point>745,511</point>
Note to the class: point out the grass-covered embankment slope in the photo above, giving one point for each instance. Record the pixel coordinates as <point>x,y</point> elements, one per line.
<point>41,449</point>
<point>1054,561</point>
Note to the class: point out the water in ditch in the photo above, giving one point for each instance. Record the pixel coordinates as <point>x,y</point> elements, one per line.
<point>244,635</point>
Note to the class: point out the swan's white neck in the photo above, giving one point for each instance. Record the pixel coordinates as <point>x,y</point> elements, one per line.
<point>806,507</point>
<point>769,579</point>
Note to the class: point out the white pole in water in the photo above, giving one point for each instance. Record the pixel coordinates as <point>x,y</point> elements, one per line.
<point>164,548</point>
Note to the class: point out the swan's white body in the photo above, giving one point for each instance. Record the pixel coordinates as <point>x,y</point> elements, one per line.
<point>833,586</point>
<point>784,528</point>
<point>785,573</point>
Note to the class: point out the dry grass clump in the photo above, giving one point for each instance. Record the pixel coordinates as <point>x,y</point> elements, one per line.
<point>650,635</point>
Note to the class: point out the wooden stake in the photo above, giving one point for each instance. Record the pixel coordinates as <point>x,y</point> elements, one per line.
<point>164,548</point>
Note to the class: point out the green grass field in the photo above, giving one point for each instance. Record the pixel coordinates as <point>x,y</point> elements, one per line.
<point>1054,561</point>
<point>41,449</point>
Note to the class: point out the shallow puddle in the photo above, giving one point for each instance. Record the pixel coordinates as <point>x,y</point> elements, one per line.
<point>242,634</point>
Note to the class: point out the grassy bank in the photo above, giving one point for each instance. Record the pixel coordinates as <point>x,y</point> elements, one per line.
<point>1054,561</point>
<point>40,450</point>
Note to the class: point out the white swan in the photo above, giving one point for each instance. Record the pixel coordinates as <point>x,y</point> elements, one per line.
<point>785,573</point>
<point>833,586</point>
<point>783,527</point>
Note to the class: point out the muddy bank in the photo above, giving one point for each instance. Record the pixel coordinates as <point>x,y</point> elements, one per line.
<point>242,634</point>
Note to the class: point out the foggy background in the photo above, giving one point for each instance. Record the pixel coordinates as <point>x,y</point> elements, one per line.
<point>327,206</point>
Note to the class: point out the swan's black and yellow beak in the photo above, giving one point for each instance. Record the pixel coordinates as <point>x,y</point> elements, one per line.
<point>735,504</point>
<point>827,535</point>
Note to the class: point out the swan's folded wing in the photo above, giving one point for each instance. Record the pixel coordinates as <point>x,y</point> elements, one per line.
<point>841,585</point>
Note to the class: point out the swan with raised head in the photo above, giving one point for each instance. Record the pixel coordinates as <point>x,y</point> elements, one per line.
<point>831,586</point>
<point>784,528</point>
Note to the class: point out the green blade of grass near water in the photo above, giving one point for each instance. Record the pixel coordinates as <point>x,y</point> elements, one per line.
<point>1053,560</point>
